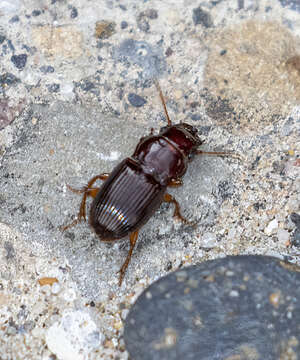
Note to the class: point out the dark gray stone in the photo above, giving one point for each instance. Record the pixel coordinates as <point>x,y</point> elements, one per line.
<point>292,4</point>
<point>10,251</point>
<point>74,13</point>
<point>143,24</point>
<point>47,69</point>
<point>202,17</point>
<point>36,13</point>
<point>14,19</point>
<point>296,238</point>
<point>221,309</point>
<point>8,79</point>
<point>19,61</point>
<point>151,14</point>
<point>136,100</point>
<point>53,87</point>
<point>124,24</point>
<point>295,219</point>
<point>225,189</point>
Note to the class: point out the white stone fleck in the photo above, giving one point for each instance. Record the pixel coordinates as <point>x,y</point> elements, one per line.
<point>9,7</point>
<point>69,295</point>
<point>124,313</point>
<point>74,336</point>
<point>55,289</point>
<point>234,293</point>
<point>271,227</point>
<point>66,90</point>
<point>283,236</point>
<point>113,156</point>
<point>148,295</point>
<point>209,240</point>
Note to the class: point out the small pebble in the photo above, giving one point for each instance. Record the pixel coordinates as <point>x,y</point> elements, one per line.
<point>74,13</point>
<point>53,87</point>
<point>169,51</point>
<point>208,240</point>
<point>36,13</point>
<point>19,61</point>
<point>143,24</point>
<point>124,24</point>
<point>55,289</point>
<point>73,336</point>
<point>136,100</point>
<point>202,17</point>
<point>124,313</point>
<point>104,29</point>
<point>14,19</point>
<point>151,14</point>
<point>283,236</point>
<point>47,69</point>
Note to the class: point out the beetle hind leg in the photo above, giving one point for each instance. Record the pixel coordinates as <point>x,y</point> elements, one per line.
<point>133,238</point>
<point>87,190</point>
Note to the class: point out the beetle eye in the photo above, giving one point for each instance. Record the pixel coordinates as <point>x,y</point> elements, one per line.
<point>162,130</point>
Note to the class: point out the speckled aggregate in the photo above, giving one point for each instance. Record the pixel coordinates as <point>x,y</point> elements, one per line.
<point>66,116</point>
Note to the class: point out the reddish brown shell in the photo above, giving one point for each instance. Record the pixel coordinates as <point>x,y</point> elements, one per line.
<point>125,202</point>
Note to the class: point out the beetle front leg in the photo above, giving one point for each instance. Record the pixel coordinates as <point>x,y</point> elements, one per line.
<point>133,238</point>
<point>170,199</point>
<point>87,190</point>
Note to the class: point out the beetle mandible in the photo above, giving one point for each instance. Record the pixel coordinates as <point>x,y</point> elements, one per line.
<point>136,187</point>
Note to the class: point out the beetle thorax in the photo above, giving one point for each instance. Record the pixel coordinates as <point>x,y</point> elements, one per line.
<point>160,158</point>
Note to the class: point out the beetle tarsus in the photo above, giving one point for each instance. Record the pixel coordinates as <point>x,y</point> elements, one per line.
<point>177,214</point>
<point>66,227</point>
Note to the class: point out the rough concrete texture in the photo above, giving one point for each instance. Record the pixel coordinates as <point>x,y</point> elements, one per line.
<point>77,94</point>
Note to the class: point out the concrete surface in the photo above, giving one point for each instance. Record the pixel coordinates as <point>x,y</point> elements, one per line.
<point>76,96</point>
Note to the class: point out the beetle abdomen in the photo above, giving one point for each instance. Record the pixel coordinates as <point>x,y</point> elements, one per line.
<point>125,202</point>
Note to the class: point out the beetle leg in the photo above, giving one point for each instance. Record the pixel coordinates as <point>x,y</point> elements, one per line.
<point>87,191</point>
<point>90,191</point>
<point>175,182</point>
<point>169,198</point>
<point>133,238</point>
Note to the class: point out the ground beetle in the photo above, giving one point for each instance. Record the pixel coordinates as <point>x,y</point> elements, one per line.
<point>136,187</point>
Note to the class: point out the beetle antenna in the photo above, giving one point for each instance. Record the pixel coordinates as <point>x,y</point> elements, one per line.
<point>163,101</point>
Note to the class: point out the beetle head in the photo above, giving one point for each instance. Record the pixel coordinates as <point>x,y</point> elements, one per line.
<point>185,136</point>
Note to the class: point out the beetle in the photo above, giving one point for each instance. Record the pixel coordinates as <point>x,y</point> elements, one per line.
<point>137,186</point>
